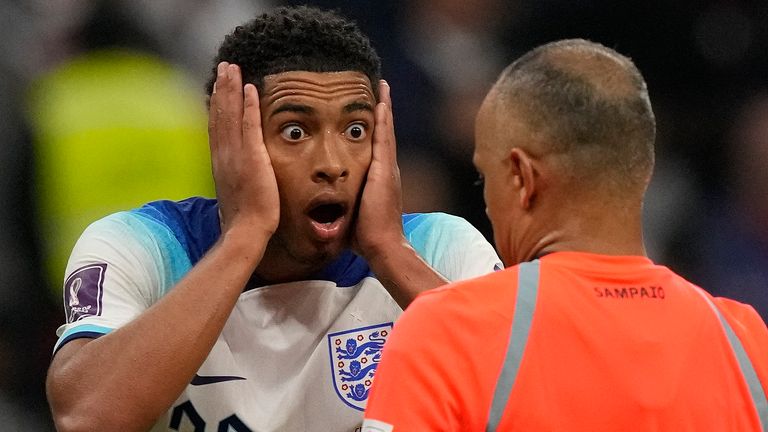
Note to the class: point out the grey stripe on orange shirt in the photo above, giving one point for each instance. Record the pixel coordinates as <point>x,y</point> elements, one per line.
<point>525,304</point>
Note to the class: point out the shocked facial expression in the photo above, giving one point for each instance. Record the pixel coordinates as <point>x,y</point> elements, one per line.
<point>317,129</point>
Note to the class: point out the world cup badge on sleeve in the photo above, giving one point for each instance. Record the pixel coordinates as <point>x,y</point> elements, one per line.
<point>83,291</point>
<point>355,354</point>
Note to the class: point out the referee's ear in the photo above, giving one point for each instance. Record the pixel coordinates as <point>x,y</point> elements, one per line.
<point>524,176</point>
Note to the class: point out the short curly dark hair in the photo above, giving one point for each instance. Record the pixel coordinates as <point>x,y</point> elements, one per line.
<point>297,38</point>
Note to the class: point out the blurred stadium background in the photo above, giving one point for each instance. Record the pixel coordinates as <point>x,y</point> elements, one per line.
<point>102,108</point>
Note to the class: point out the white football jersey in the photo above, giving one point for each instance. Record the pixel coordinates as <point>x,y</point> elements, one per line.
<point>298,356</point>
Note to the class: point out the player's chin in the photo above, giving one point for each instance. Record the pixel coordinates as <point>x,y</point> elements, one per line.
<point>319,252</point>
<point>318,256</point>
<point>333,248</point>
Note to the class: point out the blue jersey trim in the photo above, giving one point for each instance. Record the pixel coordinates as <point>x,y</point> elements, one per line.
<point>347,270</point>
<point>408,217</point>
<point>411,222</point>
<point>90,331</point>
<point>87,328</point>
<point>195,223</point>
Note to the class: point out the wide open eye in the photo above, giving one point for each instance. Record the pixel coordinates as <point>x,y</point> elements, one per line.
<point>293,133</point>
<point>356,132</point>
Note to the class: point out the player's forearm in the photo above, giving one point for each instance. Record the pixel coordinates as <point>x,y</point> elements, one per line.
<point>403,272</point>
<point>129,377</point>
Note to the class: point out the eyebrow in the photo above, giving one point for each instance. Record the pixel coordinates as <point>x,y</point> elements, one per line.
<point>358,106</point>
<point>291,107</point>
<point>304,109</point>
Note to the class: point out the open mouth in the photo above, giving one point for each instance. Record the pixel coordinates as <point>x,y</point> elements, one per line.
<point>326,213</point>
<point>327,220</point>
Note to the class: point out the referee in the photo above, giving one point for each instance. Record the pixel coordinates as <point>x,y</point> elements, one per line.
<point>582,332</point>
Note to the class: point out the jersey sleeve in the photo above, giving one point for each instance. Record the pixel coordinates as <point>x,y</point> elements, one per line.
<point>451,245</point>
<point>413,388</point>
<point>112,276</point>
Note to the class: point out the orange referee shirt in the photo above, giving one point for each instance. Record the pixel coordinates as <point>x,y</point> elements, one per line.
<point>573,342</point>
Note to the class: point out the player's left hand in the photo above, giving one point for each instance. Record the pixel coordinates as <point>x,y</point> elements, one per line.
<point>379,221</point>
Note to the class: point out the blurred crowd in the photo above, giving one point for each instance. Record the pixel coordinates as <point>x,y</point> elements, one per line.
<point>102,108</point>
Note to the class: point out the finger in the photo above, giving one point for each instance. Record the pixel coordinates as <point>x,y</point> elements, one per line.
<point>233,107</point>
<point>384,135</point>
<point>218,107</point>
<point>384,93</point>
<point>253,138</point>
<point>387,92</point>
<point>213,118</point>
<point>212,111</point>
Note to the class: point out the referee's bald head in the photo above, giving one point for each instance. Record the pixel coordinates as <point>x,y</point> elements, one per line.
<point>587,103</point>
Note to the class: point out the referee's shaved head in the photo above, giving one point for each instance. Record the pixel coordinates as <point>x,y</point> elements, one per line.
<point>587,103</point>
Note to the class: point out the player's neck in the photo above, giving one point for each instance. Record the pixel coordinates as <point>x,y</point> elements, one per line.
<point>278,266</point>
<point>271,273</point>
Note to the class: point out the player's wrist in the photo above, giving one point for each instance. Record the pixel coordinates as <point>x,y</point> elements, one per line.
<point>246,241</point>
<point>387,250</point>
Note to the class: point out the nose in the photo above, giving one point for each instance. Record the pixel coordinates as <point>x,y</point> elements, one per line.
<point>329,161</point>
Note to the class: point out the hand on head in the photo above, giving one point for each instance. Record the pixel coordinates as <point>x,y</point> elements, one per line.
<point>379,219</point>
<point>245,181</point>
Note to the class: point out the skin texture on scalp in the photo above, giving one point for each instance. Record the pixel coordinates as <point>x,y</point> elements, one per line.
<point>565,141</point>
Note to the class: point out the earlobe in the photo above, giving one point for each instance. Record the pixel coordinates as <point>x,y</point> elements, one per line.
<point>524,179</point>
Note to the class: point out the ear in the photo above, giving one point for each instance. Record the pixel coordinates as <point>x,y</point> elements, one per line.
<point>524,178</point>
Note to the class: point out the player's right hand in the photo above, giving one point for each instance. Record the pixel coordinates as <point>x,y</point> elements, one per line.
<point>242,170</point>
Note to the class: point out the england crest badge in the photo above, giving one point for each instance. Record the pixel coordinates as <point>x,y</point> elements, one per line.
<point>355,354</point>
